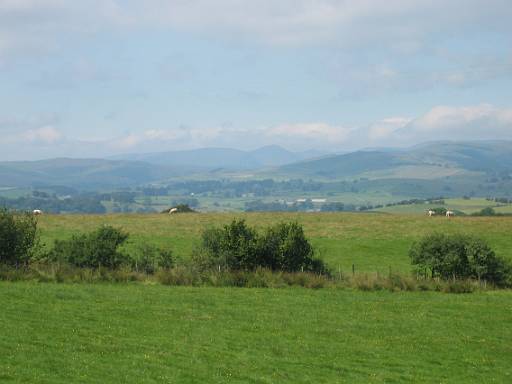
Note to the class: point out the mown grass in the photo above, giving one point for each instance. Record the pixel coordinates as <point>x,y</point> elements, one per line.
<point>134,333</point>
<point>373,242</point>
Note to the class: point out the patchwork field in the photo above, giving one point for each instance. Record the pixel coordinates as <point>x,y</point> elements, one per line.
<point>371,241</point>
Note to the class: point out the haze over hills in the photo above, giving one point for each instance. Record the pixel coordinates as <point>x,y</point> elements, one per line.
<point>225,158</point>
<point>82,173</point>
<point>426,161</point>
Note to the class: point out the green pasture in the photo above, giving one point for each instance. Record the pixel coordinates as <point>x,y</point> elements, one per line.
<point>133,333</point>
<point>370,241</point>
<point>467,206</point>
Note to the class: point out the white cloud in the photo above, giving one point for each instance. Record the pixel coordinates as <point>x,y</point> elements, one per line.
<point>400,22</point>
<point>47,135</point>
<point>317,131</point>
<point>394,29</point>
<point>159,134</point>
<point>128,142</point>
<point>42,24</point>
<point>386,127</point>
<point>482,121</point>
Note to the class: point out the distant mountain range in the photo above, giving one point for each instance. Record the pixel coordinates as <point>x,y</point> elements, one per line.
<point>82,173</point>
<point>427,161</point>
<point>224,158</point>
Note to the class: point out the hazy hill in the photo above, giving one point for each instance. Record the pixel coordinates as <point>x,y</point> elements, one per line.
<point>482,156</point>
<point>468,162</point>
<point>225,158</point>
<point>430,160</point>
<point>83,173</point>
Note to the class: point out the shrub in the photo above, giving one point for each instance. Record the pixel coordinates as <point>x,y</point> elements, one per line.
<point>178,276</point>
<point>284,247</point>
<point>18,237</point>
<point>148,259</point>
<point>459,256</point>
<point>92,250</point>
<point>236,246</point>
<point>440,211</point>
<point>459,286</point>
<point>181,208</point>
<point>488,211</point>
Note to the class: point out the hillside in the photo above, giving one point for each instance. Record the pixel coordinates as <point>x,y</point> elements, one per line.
<point>426,161</point>
<point>442,168</point>
<point>223,158</point>
<point>82,173</point>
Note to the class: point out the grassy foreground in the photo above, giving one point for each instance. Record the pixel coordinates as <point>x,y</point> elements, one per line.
<point>58,333</point>
<point>374,242</point>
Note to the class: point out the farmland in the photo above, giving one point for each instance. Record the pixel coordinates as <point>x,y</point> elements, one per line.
<point>371,241</point>
<point>148,332</point>
<point>467,206</point>
<point>134,333</point>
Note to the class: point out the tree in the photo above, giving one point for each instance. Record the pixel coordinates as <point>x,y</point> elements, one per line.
<point>93,250</point>
<point>282,247</point>
<point>459,256</point>
<point>285,247</point>
<point>18,237</point>
<point>488,211</point>
<point>148,258</point>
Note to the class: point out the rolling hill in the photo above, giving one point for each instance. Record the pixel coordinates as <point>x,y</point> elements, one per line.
<point>426,161</point>
<point>82,173</point>
<point>208,159</point>
<point>469,164</point>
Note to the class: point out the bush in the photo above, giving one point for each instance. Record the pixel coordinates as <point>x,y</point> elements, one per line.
<point>93,250</point>
<point>234,246</point>
<point>282,247</point>
<point>18,237</point>
<point>180,208</point>
<point>488,211</point>
<point>148,259</point>
<point>459,256</point>
<point>459,286</point>
<point>440,211</point>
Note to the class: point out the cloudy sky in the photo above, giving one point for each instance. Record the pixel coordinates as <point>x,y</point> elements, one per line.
<point>99,77</point>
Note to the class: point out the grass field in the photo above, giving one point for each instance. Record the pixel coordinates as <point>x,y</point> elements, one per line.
<point>372,241</point>
<point>151,333</point>
<point>58,333</point>
<point>467,206</point>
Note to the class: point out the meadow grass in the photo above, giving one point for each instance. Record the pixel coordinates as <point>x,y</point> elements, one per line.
<point>133,333</point>
<point>372,242</point>
<point>467,206</point>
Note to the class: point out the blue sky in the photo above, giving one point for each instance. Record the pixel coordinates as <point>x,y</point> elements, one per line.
<point>95,78</point>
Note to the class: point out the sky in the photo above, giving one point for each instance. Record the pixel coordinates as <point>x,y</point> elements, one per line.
<point>95,78</point>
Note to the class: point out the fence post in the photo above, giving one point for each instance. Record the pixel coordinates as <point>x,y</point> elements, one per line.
<point>353,269</point>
